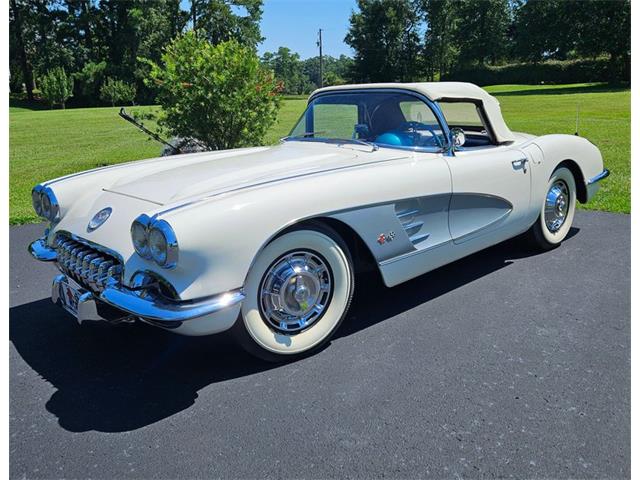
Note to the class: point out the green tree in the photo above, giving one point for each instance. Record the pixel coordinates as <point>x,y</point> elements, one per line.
<point>19,59</point>
<point>440,46</point>
<point>545,29</point>
<point>56,86</point>
<point>338,70</point>
<point>384,36</point>
<point>223,20</point>
<point>218,94</point>
<point>288,69</point>
<point>604,27</point>
<point>116,91</point>
<point>482,36</point>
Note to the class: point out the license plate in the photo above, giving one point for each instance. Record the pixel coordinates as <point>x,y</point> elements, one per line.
<point>69,297</point>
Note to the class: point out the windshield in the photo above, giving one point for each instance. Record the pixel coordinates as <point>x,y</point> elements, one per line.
<point>392,119</point>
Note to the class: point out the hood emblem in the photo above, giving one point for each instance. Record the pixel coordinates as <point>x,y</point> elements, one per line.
<point>99,218</point>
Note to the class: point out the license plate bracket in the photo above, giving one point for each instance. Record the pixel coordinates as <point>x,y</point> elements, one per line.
<point>69,297</point>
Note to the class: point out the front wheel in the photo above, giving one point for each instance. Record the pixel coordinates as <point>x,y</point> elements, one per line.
<point>557,211</point>
<point>297,292</point>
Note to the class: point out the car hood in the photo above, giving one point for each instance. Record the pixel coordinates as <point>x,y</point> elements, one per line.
<point>173,179</point>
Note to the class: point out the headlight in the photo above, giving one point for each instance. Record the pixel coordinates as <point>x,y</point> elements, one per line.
<point>155,239</point>
<point>45,203</point>
<point>139,236</point>
<point>158,246</point>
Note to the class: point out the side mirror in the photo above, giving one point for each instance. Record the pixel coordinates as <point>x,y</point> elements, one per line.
<point>457,137</point>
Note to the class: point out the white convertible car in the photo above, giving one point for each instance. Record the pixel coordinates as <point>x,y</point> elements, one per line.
<point>263,241</point>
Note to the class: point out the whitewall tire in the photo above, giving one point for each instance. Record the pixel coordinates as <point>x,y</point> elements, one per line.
<point>298,291</point>
<point>556,212</point>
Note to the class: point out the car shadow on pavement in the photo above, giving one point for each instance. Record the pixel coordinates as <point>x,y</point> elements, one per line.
<point>117,379</point>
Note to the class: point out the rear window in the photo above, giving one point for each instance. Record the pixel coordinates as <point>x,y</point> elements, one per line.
<point>462,114</point>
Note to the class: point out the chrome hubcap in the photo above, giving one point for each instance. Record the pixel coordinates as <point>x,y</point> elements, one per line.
<point>556,206</point>
<point>295,291</point>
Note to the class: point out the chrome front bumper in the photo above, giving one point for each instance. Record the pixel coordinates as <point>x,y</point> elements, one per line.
<point>593,184</point>
<point>601,176</point>
<point>117,303</point>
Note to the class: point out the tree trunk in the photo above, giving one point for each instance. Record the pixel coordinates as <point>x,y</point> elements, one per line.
<point>86,24</point>
<point>194,16</point>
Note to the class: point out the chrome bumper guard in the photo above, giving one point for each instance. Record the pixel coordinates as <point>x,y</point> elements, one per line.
<point>117,303</point>
<point>149,305</point>
<point>601,176</point>
<point>41,251</point>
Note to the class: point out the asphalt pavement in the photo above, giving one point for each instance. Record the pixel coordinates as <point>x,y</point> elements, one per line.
<point>503,364</point>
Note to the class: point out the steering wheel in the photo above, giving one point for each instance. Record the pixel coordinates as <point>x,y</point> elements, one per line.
<point>409,126</point>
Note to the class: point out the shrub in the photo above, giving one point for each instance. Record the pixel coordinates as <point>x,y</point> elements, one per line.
<point>220,95</point>
<point>116,91</point>
<point>569,71</point>
<point>88,81</point>
<point>56,87</point>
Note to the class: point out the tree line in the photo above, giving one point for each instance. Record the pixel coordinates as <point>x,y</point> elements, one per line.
<point>100,49</point>
<point>101,42</point>
<point>406,40</point>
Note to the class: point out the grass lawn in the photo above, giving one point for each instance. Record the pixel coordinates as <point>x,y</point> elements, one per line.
<point>49,143</point>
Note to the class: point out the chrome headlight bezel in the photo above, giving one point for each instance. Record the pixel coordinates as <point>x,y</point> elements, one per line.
<point>45,203</point>
<point>168,257</point>
<point>36,199</point>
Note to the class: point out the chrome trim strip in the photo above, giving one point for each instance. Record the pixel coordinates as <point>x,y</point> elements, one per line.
<point>132,196</point>
<point>267,182</point>
<point>601,176</point>
<point>433,105</point>
<point>153,306</point>
<point>41,251</point>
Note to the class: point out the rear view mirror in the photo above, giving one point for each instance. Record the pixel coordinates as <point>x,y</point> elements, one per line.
<point>457,137</point>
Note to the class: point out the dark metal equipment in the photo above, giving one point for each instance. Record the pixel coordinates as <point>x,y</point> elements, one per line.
<point>174,150</point>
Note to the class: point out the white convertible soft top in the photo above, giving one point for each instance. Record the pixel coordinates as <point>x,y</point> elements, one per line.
<point>447,90</point>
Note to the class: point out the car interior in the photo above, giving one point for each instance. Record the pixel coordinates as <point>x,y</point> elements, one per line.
<point>392,119</point>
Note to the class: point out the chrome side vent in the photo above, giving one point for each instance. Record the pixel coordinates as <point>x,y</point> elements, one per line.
<point>408,215</point>
<point>89,266</point>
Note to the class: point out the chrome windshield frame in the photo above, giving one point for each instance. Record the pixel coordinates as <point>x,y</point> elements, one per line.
<point>446,149</point>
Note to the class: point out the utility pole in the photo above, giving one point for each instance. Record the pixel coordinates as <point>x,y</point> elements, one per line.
<point>319,43</point>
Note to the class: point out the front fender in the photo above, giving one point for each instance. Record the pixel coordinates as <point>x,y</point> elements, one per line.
<point>583,157</point>
<point>220,237</point>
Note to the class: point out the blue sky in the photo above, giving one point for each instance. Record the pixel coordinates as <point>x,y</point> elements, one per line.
<point>295,24</point>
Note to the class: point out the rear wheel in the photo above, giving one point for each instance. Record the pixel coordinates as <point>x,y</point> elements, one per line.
<point>557,211</point>
<point>297,292</point>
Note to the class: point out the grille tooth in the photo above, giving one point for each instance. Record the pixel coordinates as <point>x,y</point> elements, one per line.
<point>86,261</point>
<point>103,272</point>
<point>77,264</point>
<point>73,253</point>
<point>87,265</point>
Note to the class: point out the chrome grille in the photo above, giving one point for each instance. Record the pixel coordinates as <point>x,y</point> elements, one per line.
<point>89,266</point>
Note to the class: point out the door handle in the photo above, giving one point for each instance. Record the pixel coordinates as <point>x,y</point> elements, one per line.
<point>520,164</point>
